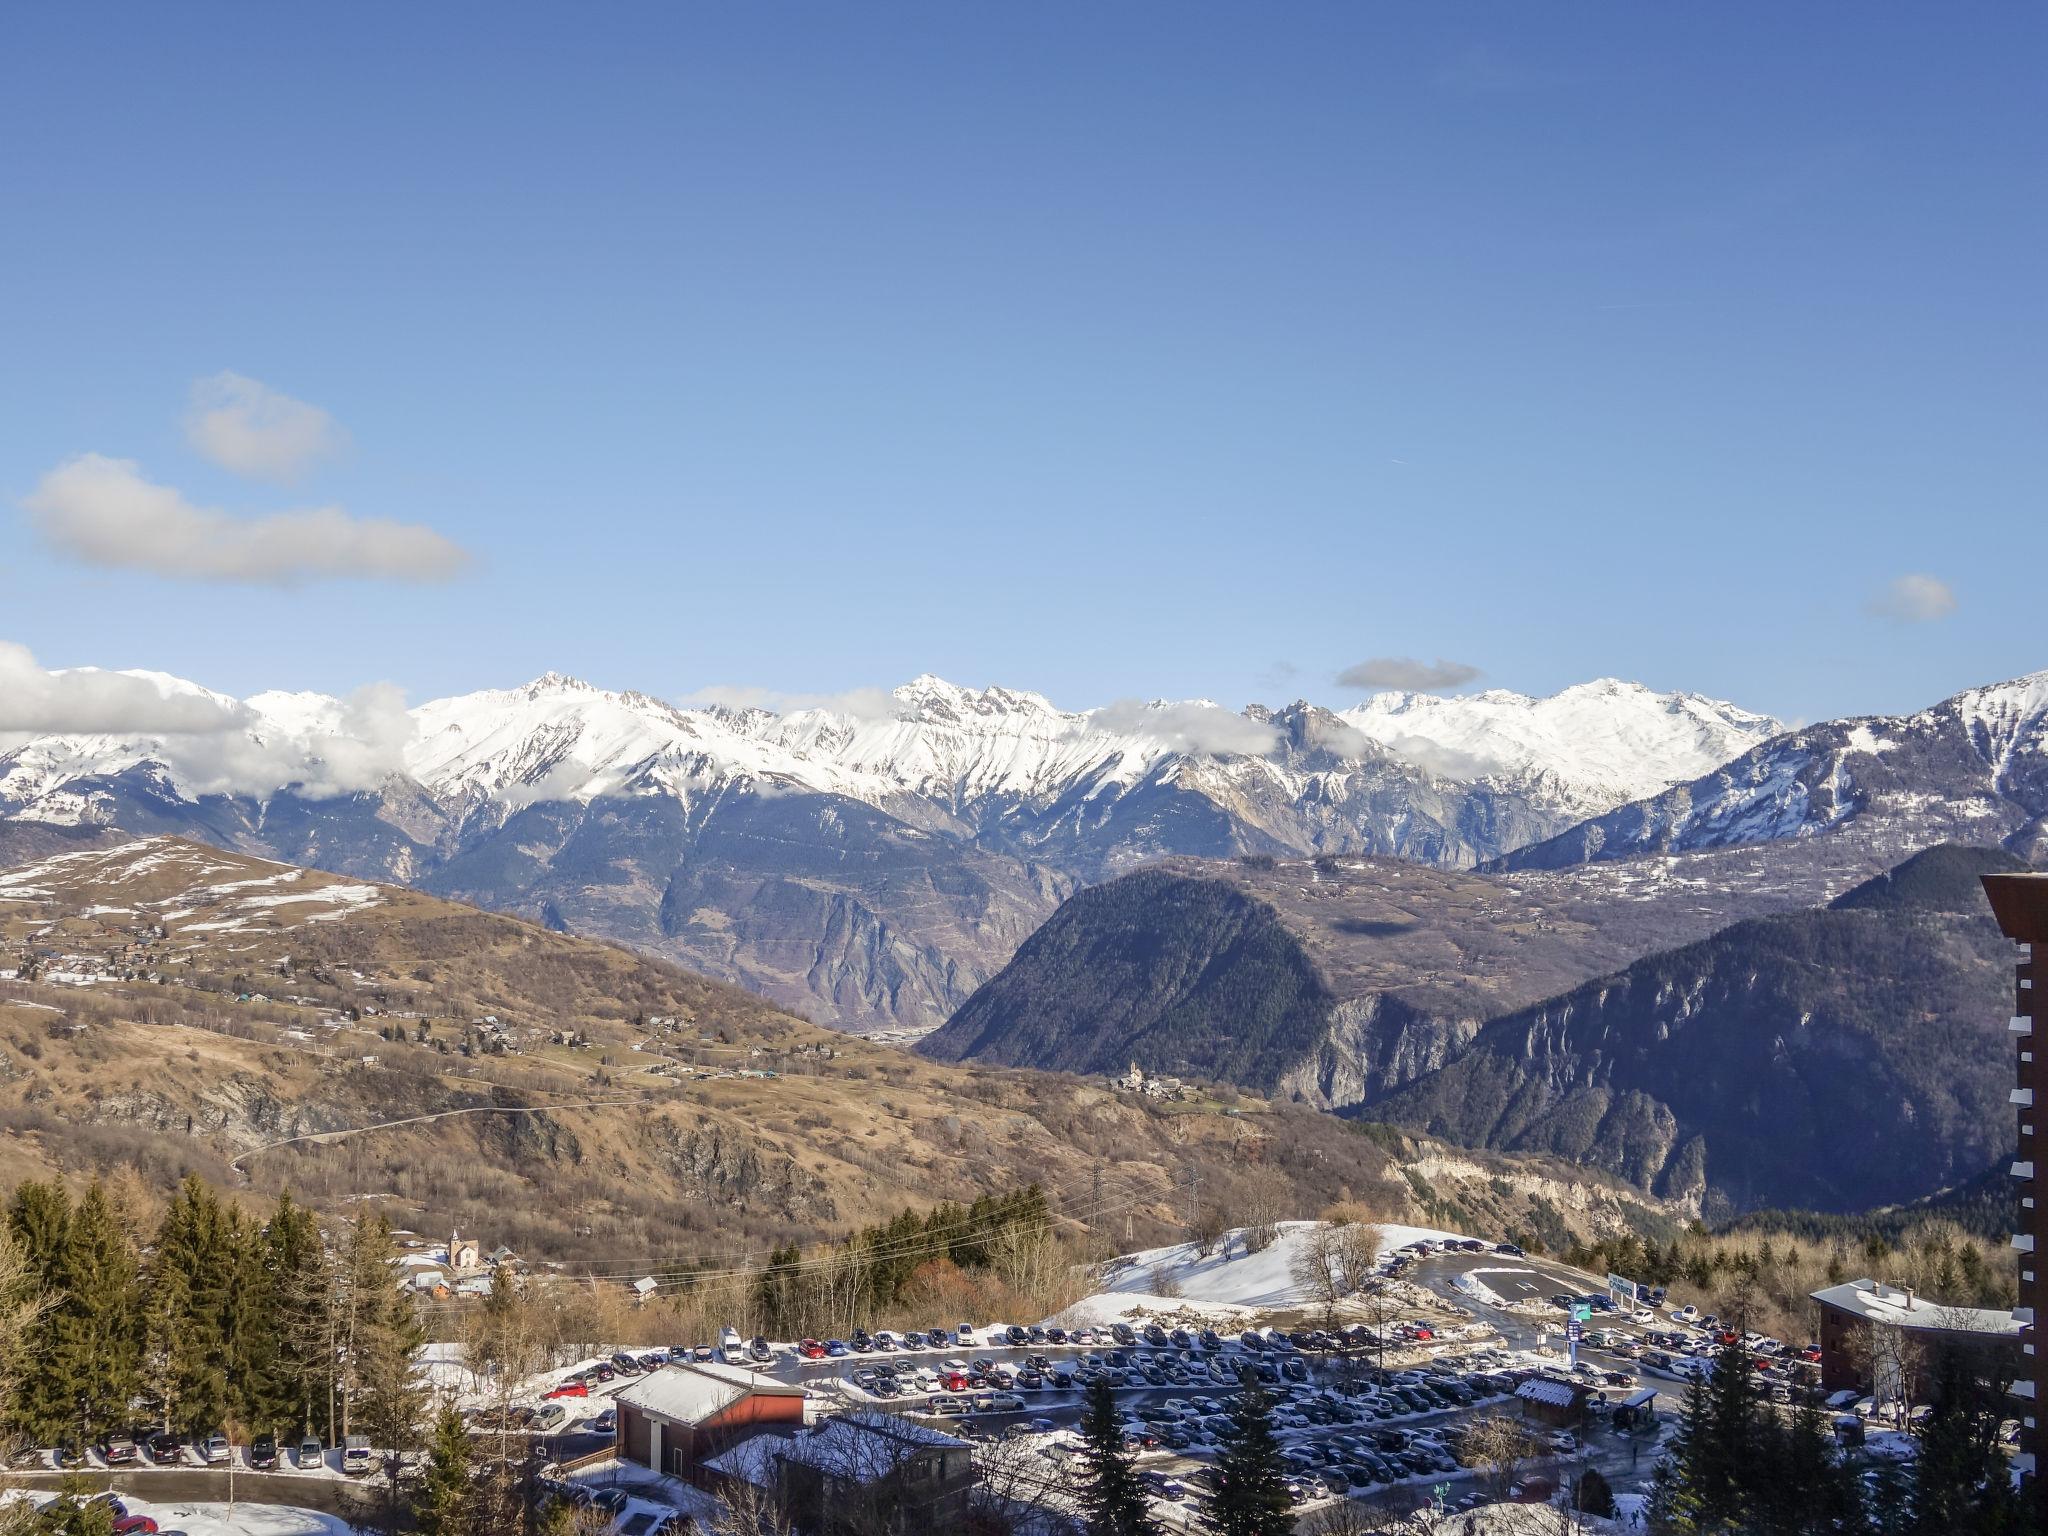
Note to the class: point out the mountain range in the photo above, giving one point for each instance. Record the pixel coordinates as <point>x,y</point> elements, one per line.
<point>869,863</point>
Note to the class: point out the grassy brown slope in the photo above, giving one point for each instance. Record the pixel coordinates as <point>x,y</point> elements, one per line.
<point>197,1010</point>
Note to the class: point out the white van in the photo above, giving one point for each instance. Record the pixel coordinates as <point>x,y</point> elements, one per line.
<point>355,1455</point>
<point>732,1349</point>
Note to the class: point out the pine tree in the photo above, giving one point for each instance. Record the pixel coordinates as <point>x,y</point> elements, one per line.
<point>1675,1501</point>
<point>383,1337</point>
<point>193,1267</point>
<point>444,1504</point>
<point>1113,1503</point>
<point>296,1277</point>
<point>1723,1455</point>
<point>1251,1487</point>
<point>40,1219</point>
<point>92,1331</point>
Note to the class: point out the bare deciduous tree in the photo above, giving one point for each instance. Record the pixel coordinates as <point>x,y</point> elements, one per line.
<point>1497,1445</point>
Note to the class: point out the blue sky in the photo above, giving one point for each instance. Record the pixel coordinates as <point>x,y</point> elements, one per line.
<point>1109,351</point>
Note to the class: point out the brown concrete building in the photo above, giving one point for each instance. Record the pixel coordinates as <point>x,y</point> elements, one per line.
<point>2020,903</point>
<point>1849,1313</point>
<point>673,1419</point>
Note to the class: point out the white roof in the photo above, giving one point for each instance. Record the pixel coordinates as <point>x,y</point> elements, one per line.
<point>858,1447</point>
<point>1881,1303</point>
<point>689,1394</point>
<point>1541,1389</point>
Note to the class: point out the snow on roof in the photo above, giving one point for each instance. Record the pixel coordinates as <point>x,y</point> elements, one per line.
<point>1877,1302</point>
<point>753,1459</point>
<point>689,1394</point>
<point>1542,1389</point>
<point>857,1447</point>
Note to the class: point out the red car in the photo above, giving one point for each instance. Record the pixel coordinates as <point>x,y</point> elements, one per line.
<point>1811,1354</point>
<point>571,1389</point>
<point>954,1381</point>
<point>1425,1333</point>
<point>811,1349</point>
<point>135,1525</point>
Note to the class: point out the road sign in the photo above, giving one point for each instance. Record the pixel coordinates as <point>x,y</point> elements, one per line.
<point>1581,1313</point>
<point>1622,1290</point>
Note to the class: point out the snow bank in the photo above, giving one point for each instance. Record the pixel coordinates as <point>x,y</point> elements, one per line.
<point>1243,1280</point>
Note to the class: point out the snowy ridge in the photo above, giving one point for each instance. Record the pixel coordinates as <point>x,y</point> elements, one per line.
<point>1593,745</point>
<point>557,738</point>
<point>1973,769</point>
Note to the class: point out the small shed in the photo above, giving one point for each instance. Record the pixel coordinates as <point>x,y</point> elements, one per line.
<point>1547,1400</point>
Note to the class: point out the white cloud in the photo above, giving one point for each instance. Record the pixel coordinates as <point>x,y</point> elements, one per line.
<point>1338,736</point>
<point>89,702</point>
<point>245,426</point>
<point>103,511</point>
<point>1194,726</point>
<point>212,744</point>
<point>1915,599</point>
<point>1406,672</point>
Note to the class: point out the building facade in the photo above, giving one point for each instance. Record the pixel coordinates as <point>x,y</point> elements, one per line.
<point>2020,902</point>
<point>672,1419</point>
<point>1860,1320</point>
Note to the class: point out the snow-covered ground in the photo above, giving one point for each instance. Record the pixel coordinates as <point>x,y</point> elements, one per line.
<point>1243,1281</point>
<point>245,1519</point>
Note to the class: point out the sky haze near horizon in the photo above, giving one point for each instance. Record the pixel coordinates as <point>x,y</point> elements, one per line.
<point>1105,353</point>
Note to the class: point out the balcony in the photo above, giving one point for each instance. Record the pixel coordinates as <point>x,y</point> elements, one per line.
<point>2023,1315</point>
<point>2021,1024</point>
<point>2024,1097</point>
<point>2023,1241</point>
<point>2023,1169</point>
<point>2023,1389</point>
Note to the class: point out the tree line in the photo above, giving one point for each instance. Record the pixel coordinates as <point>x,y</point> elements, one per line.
<point>1739,1467</point>
<point>875,1271</point>
<point>212,1320</point>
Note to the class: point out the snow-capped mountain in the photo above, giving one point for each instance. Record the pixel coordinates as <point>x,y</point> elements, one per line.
<point>873,860</point>
<point>1588,748</point>
<point>1971,769</point>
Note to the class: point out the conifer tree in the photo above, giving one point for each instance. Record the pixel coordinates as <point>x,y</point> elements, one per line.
<point>1724,1449</point>
<point>383,1338</point>
<point>444,1504</point>
<point>1112,1500</point>
<point>297,1280</point>
<point>92,1329</point>
<point>1251,1485</point>
<point>40,1218</point>
<point>193,1262</point>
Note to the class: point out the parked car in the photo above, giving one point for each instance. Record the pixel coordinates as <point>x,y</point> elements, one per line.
<point>311,1454</point>
<point>119,1451</point>
<point>570,1389</point>
<point>215,1450</point>
<point>605,1423</point>
<point>761,1351</point>
<point>263,1452</point>
<point>135,1525</point>
<point>355,1455</point>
